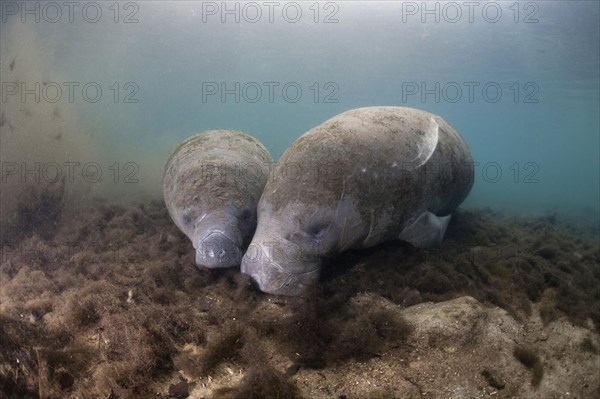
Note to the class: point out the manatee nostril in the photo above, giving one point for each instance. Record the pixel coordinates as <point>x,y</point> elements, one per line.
<point>217,250</point>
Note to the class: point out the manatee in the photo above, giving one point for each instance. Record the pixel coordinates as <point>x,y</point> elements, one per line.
<point>211,186</point>
<point>363,177</point>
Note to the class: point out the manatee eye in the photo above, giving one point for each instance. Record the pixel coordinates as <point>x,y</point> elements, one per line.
<point>317,231</point>
<point>186,219</point>
<point>246,214</point>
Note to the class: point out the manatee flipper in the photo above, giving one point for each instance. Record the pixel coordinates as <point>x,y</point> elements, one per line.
<point>426,231</point>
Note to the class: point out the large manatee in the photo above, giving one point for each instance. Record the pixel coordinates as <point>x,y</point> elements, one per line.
<point>212,183</point>
<point>363,177</point>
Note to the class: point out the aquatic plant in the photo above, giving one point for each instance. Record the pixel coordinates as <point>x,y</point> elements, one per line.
<point>225,346</point>
<point>39,211</point>
<point>500,270</point>
<point>146,311</point>
<point>493,378</point>
<point>260,382</point>
<point>530,359</point>
<point>589,346</point>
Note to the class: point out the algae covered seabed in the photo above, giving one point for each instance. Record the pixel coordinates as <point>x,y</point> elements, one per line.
<point>108,303</point>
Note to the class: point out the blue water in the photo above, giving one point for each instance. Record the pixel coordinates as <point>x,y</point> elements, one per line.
<point>537,143</point>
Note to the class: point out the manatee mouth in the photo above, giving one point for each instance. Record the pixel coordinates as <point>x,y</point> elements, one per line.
<point>217,250</point>
<point>273,279</point>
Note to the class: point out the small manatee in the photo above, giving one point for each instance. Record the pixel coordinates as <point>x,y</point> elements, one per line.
<point>211,185</point>
<point>363,177</point>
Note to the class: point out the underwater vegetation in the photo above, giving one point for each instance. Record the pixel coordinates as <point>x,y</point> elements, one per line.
<point>530,359</point>
<point>112,305</point>
<point>39,211</point>
<point>493,379</point>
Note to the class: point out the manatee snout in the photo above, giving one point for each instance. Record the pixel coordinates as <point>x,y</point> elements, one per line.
<point>218,250</point>
<point>219,241</point>
<point>279,266</point>
<point>272,278</point>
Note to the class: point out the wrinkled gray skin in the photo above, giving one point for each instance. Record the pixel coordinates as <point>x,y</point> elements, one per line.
<point>363,177</point>
<point>211,186</point>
